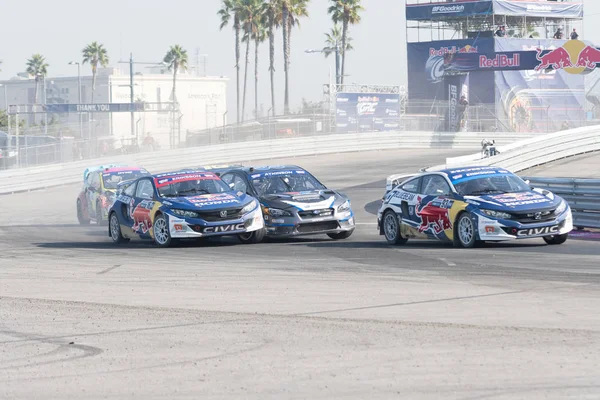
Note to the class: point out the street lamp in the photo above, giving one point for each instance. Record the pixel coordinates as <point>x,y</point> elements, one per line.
<point>78,93</point>
<point>335,49</point>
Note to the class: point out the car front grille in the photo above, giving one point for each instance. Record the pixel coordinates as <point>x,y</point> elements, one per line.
<point>317,227</point>
<point>326,212</point>
<point>215,216</point>
<point>530,218</point>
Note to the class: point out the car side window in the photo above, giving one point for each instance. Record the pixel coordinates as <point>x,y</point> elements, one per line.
<point>145,190</point>
<point>227,178</point>
<point>95,181</point>
<point>435,185</point>
<point>129,190</point>
<point>239,184</point>
<point>411,186</point>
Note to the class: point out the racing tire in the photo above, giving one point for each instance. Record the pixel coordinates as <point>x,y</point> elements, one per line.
<point>114,227</point>
<point>99,214</point>
<point>252,237</point>
<point>162,235</point>
<point>556,239</point>
<point>341,235</point>
<point>391,228</point>
<point>80,218</point>
<point>465,235</point>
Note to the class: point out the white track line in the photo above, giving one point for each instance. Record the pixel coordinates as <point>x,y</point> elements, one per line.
<point>449,263</point>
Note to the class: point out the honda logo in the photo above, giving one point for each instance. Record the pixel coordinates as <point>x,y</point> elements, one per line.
<point>223,214</point>
<point>538,215</point>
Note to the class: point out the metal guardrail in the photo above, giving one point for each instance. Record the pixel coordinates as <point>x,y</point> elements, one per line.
<point>583,196</point>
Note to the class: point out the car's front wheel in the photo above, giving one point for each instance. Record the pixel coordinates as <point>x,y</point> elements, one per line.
<point>556,239</point>
<point>252,237</point>
<point>162,235</point>
<point>391,228</point>
<point>464,232</point>
<point>115,229</point>
<point>341,235</point>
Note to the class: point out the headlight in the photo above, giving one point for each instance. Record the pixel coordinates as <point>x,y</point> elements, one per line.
<point>185,213</point>
<point>561,208</point>
<point>249,207</point>
<point>344,207</point>
<point>496,214</point>
<point>276,212</point>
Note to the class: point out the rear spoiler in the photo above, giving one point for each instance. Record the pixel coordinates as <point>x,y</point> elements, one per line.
<point>394,180</point>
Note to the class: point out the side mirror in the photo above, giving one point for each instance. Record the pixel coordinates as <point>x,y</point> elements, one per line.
<point>528,182</point>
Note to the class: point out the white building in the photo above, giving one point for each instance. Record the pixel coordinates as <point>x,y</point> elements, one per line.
<point>202,104</point>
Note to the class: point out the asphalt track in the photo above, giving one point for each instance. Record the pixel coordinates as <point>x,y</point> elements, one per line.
<point>306,318</point>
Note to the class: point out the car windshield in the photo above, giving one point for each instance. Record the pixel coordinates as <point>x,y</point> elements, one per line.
<point>194,184</point>
<point>284,182</point>
<point>492,185</point>
<point>112,179</point>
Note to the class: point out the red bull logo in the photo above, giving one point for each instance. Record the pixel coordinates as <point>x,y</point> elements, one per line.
<point>442,51</point>
<point>434,215</point>
<point>500,61</point>
<point>574,57</point>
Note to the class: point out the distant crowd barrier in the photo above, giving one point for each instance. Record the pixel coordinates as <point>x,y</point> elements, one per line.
<point>24,179</point>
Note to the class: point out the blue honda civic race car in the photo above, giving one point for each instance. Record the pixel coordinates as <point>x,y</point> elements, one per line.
<point>473,204</point>
<point>183,204</point>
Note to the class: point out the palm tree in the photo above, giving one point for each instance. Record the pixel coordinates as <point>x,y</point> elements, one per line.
<point>259,37</point>
<point>95,54</point>
<point>231,9</point>
<point>251,14</point>
<point>291,10</point>
<point>176,60</point>
<point>38,69</point>
<point>347,12</point>
<point>333,44</point>
<point>272,16</point>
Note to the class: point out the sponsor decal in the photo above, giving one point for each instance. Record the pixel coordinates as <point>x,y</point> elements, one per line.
<point>490,229</point>
<point>434,215</point>
<point>140,214</point>
<point>458,171</point>
<point>277,173</point>
<point>160,182</point>
<point>520,199</point>
<point>224,228</point>
<point>538,8</point>
<point>403,196</point>
<point>452,110</point>
<point>178,227</point>
<point>442,51</point>
<point>212,199</point>
<point>548,230</point>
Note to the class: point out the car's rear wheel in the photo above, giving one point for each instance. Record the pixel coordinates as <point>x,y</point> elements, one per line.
<point>99,213</point>
<point>464,232</point>
<point>252,237</point>
<point>556,239</point>
<point>162,235</point>
<point>391,228</point>
<point>82,220</point>
<point>341,235</point>
<point>115,229</point>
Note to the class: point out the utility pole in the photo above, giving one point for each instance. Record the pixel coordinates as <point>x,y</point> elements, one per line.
<point>131,94</point>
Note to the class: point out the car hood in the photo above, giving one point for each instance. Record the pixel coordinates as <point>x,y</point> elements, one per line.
<point>208,201</point>
<point>310,200</point>
<point>516,202</point>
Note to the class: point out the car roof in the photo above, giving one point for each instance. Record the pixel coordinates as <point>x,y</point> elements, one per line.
<point>271,168</point>
<point>459,170</point>
<point>121,169</point>
<point>183,172</point>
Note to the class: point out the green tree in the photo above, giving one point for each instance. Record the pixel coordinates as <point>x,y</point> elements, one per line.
<point>272,20</point>
<point>38,69</point>
<point>176,60</point>
<point>230,10</point>
<point>347,12</point>
<point>94,54</point>
<point>291,11</point>
<point>251,14</point>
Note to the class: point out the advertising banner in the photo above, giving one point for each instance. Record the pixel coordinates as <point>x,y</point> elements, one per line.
<point>457,95</point>
<point>429,62</point>
<point>538,9</point>
<point>419,12</point>
<point>367,112</point>
<point>539,100</point>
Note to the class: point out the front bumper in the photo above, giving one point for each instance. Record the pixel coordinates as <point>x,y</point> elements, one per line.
<point>181,227</point>
<point>298,226</point>
<point>489,229</point>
